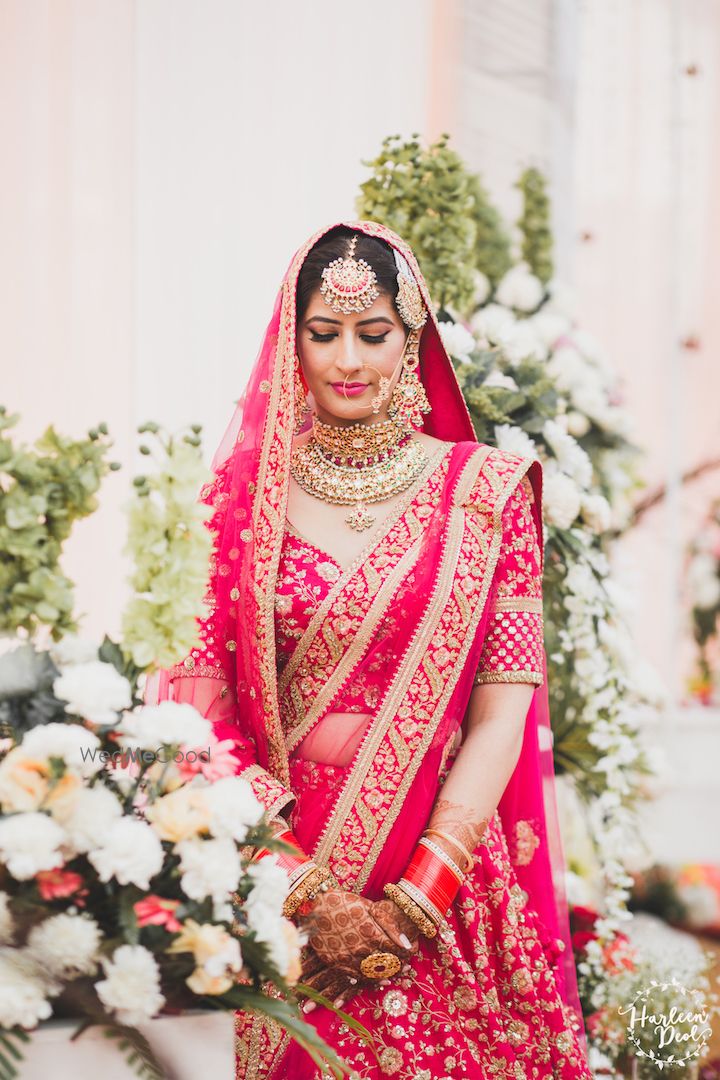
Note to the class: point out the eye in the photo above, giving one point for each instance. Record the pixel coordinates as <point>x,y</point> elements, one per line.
<point>375,339</point>
<point>321,337</point>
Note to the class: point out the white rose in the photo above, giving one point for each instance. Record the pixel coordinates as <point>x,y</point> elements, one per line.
<point>233,807</point>
<point>94,690</point>
<point>520,342</point>
<point>520,289</point>
<point>67,945</point>
<point>496,378</point>
<point>549,326</point>
<point>577,424</point>
<point>270,886</point>
<point>561,498</point>
<point>458,341</point>
<point>596,512</point>
<point>209,868</point>
<point>491,323</point>
<point>7,929</point>
<point>181,814</point>
<point>131,987</point>
<point>482,287</point>
<point>73,650</point>
<point>513,440</point>
<point>571,458</point>
<point>23,993</point>
<point>77,746</point>
<point>171,723</point>
<point>30,842</point>
<point>86,814</point>
<point>131,852</point>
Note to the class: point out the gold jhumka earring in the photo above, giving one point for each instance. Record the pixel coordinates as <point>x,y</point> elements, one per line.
<point>409,402</point>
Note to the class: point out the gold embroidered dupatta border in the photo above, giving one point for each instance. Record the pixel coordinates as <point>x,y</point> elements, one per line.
<point>355,833</point>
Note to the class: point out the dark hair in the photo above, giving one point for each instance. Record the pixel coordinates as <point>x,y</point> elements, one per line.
<point>336,244</point>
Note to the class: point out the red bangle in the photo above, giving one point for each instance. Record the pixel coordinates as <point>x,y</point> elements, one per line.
<point>432,877</point>
<point>287,860</point>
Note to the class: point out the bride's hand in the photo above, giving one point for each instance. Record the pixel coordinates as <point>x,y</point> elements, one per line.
<point>344,928</point>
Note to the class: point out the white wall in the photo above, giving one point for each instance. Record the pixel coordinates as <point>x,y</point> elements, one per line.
<point>161,162</point>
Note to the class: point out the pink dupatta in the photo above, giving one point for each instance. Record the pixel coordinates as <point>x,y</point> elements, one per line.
<point>233,677</point>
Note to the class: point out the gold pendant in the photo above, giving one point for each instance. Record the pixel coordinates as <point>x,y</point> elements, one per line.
<point>359,518</point>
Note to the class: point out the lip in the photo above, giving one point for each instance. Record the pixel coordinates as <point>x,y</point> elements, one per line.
<point>351,389</point>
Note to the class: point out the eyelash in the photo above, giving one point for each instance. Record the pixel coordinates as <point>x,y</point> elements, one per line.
<point>369,338</point>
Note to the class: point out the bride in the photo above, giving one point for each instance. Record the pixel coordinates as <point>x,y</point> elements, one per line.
<point>375,647</point>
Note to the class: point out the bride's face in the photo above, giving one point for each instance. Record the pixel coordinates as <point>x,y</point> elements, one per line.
<point>343,357</point>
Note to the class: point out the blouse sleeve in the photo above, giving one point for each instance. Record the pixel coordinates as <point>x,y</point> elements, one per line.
<point>513,646</point>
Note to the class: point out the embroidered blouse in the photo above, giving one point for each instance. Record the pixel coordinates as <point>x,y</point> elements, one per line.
<point>513,648</point>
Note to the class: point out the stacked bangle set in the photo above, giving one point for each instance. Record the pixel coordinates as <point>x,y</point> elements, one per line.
<point>430,883</point>
<point>424,893</point>
<point>306,878</point>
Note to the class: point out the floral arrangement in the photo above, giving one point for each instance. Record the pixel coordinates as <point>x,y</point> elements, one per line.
<point>125,887</point>
<point>537,385</point>
<point>703,584</point>
<point>687,896</point>
<point>611,975</point>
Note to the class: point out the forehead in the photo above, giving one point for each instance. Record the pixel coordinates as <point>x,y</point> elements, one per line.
<point>382,307</point>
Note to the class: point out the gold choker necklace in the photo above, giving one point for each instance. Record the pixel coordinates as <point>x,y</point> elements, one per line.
<point>356,465</point>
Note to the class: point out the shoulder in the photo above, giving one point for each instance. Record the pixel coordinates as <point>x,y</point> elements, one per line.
<point>494,475</point>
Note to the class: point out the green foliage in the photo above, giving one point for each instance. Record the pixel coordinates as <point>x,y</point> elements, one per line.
<point>170,548</point>
<point>535,226</point>
<point>11,1055</point>
<point>427,196</point>
<point>44,490</point>
<point>493,256</point>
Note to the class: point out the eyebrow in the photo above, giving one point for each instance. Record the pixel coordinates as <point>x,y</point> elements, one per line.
<point>363,322</point>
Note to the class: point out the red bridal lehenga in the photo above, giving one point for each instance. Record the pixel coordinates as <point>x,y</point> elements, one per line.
<point>445,595</point>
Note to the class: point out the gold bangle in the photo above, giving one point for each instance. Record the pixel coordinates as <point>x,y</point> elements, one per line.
<point>317,880</point>
<point>453,840</point>
<point>413,911</point>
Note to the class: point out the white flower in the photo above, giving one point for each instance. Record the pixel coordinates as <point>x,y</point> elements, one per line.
<point>482,287</point>
<point>73,743</point>
<point>233,807</point>
<point>30,842</point>
<point>131,852</point>
<point>520,289</point>
<point>270,887</point>
<point>513,440</point>
<point>572,459</point>
<point>209,868</point>
<point>704,581</point>
<point>171,723</point>
<point>570,370</point>
<point>73,650</point>
<point>520,342</point>
<point>86,814</point>
<point>94,690</point>
<point>596,512</point>
<point>549,326</point>
<point>6,920</point>
<point>66,945</point>
<point>577,423</point>
<point>23,993</point>
<point>491,323</point>
<point>496,378</point>
<point>131,987</point>
<point>561,498</point>
<point>458,341</point>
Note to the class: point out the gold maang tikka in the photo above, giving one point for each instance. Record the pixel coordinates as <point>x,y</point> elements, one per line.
<point>349,284</point>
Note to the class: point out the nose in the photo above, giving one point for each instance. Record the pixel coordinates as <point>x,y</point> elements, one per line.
<point>349,360</point>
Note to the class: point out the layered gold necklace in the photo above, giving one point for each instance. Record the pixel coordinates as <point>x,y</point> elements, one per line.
<point>357,465</point>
